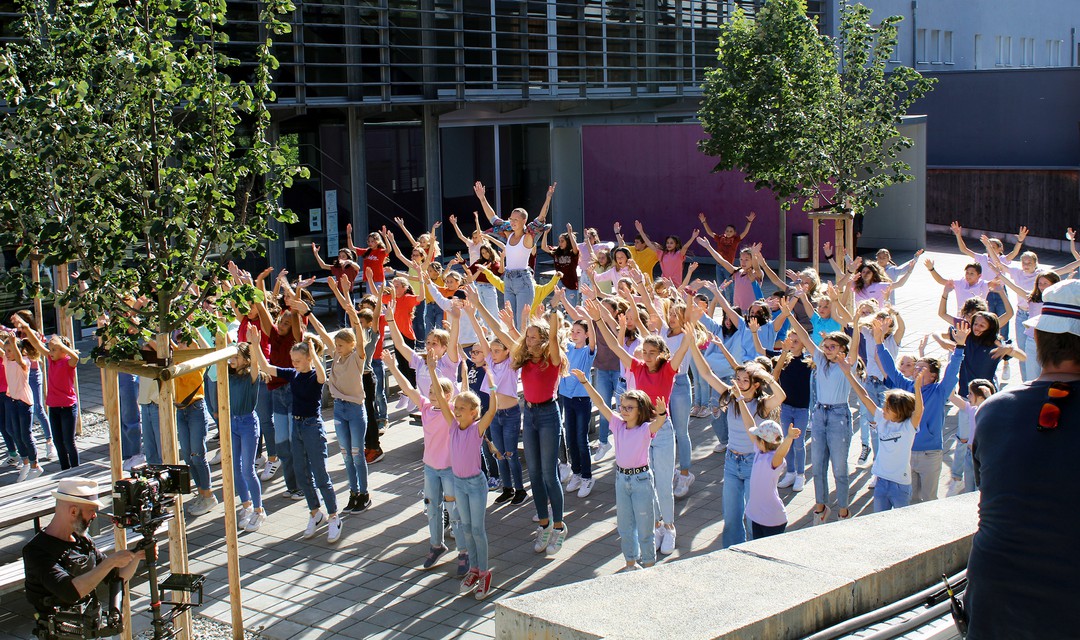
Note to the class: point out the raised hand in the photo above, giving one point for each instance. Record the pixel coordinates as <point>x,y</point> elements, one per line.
<point>752,216</point>
<point>579,374</point>
<point>479,189</point>
<point>702,241</point>
<point>794,433</point>
<point>929,262</point>
<point>956,228</point>
<point>919,377</point>
<point>315,248</point>
<point>617,227</point>
<point>637,225</point>
<point>961,333</point>
<point>701,217</point>
<point>253,336</point>
<point>1070,234</point>
<point>1023,234</point>
<point>551,189</point>
<point>592,308</point>
<point>661,406</point>
<point>919,253</point>
<point>453,219</point>
<point>827,247</point>
<point>754,324</point>
<point>948,286</point>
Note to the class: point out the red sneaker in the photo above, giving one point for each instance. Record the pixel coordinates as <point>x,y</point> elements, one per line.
<point>483,586</point>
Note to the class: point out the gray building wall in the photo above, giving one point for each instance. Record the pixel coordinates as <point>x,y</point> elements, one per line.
<point>983,34</point>
<point>899,221</point>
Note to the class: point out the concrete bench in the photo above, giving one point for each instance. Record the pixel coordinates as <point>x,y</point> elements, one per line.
<point>786,586</point>
<point>31,500</point>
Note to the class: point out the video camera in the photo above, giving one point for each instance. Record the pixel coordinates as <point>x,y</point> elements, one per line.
<point>76,623</point>
<point>143,500</point>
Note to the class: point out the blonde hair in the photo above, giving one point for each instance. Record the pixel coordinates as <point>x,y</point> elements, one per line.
<point>345,335</point>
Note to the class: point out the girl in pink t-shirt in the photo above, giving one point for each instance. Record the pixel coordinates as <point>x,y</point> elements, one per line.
<point>634,512</point>
<point>20,402</point>
<point>672,254</point>
<point>466,431</point>
<point>438,474</point>
<point>60,393</point>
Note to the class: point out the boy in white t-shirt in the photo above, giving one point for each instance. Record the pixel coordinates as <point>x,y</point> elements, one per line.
<point>896,422</point>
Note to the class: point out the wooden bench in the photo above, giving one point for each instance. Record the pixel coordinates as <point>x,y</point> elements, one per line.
<point>31,500</point>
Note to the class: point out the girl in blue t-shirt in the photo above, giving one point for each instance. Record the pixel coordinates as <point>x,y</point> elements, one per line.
<point>577,409</point>
<point>306,379</point>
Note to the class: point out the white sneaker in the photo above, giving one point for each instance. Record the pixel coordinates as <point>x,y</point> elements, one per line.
<point>564,472</point>
<point>586,487</point>
<point>203,505</point>
<point>34,472</point>
<point>543,534</point>
<point>50,451</point>
<point>134,461</point>
<point>12,461</point>
<point>872,483</point>
<point>820,518</point>
<point>720,447</point>
<point>575,482</point>
<point>658,536</point>
<point>243,516</point>
<point>555,541</point>
<point>270,469</point>
<point>261,460</point>
<point>333,531</point>
<point>786,481</point>
<point>667,545</point>
<point>601,452</point>
<point>682,484</point>
<point>313,524</point>
<point>956,487</point>
<point>255,521</point>
<point>800,482</point>
<point>24,471</point>
<point>215,458</point>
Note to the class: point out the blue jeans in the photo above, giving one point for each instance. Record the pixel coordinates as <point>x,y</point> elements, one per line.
<point>1022,340</point>
<point>264,409</point>
<point>419,329</point>
<point>63,425</point>
<point>876,390</point>
<point>720,422</point>
<point>679,408</point>
<point>245,439</point>
<point>605,382</point>
<point>793,417</point>
<point>380,388</point>
<point>210,397</point>
<point>890,495</point>
<point>39,408</point>
<point>309,462</point>
<point>350,421</point>
<point>576,413</point>
<point>151,442</point>
<point>662,463</point>
<point>701,391</point>
<point>471,497</point>
<point>21,416</point>
<point>489,297</point>
<point>519,288</point>
<point>540,435</point>
<point>281,400</point>
<point>832,440</point>
<point>997,305</point>
<point>130,423</point>
<point>439,484</point>
<point>505,431</point>
<point>635,515</point>
<point>433,317</point>
<point>191,433</point>
<point>737,468</point>
<point>6,425</point>
<point>963,466</point>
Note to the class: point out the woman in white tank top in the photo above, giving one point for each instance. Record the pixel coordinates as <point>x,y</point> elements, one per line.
<point>519,284</point>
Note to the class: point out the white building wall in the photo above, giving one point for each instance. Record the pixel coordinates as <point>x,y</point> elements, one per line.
<point>953,35</point>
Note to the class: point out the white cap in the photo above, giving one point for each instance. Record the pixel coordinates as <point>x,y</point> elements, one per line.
<point>78,491</point>
<point>1061,309</point>
<point>769,431</point>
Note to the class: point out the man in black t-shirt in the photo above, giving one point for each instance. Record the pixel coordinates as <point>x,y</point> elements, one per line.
<point>1023,570</point>
<point>64,569</point>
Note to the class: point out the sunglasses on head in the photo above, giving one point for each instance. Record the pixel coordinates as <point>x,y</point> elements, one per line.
<point>1050,414</point>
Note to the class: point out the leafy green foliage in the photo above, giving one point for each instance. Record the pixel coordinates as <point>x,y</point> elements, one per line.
<point>131,153</point>
<point>806,116</point>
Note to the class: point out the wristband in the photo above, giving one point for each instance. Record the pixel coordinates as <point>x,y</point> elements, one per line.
<point>661,414</point>
<point>308,313</point>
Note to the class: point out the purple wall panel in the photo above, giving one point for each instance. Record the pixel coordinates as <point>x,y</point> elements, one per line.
<point>655,173</point>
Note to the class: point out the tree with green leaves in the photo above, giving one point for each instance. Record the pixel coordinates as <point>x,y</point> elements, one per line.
<point>136,148</point>
<point>806,116</point>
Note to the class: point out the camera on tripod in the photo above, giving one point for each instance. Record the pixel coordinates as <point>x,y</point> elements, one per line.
<point>143,500</point>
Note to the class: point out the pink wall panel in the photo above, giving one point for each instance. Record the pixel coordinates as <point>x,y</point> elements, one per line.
<point>655,173</point>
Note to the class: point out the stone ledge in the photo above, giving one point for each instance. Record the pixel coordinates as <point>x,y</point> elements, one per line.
<point>786,586</point>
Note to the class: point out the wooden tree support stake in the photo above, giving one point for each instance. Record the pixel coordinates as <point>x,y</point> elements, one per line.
<point>110,391</point>
<point>228,487</point>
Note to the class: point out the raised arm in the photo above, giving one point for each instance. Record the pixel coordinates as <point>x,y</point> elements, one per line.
<point>300,307</point>
<point>759,262</point>
<point>598,312</point>
<point>1067,269</point>
<point>749,221</point>
<point>318,258</point>
<point>555,354</point>
<point>797,327</point>
<point>705,225</point>
<point>916,415</point>
<point>933,272</point>
<point>481,193</point>
<point>397,250</point>
<point>689,243</point>
<point>547,202</point>
<point>401,225</point>
<point>716,255</point>
<point>395,335</point>
<point>691,315</point>
<point>489,415</point>
<point>410,391</point>
<point>438,397</point>
<point>1021,235</point>
<point>641,231</point>
<point>706,372</point>
<point>958,232</point>
<point>908,270</point>
<point>860,391</point>
<point>496,327</point>
<point>316,360</point>
<point>253,338</point>
<point>943,303</point>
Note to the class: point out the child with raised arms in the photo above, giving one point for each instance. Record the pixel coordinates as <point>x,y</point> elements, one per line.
<point>467,427</point>
<point>764,509</point>
<point>634,510</point>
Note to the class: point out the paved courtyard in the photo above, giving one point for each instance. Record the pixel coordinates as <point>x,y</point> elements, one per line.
<point>369,584</point>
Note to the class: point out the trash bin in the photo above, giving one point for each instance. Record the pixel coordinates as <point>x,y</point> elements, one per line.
<point>801,242</point>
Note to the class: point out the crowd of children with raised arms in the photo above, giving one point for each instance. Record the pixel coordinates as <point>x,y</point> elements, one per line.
<point>626,329</point>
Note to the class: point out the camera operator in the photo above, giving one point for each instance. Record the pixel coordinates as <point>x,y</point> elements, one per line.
<point>63,567</point>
